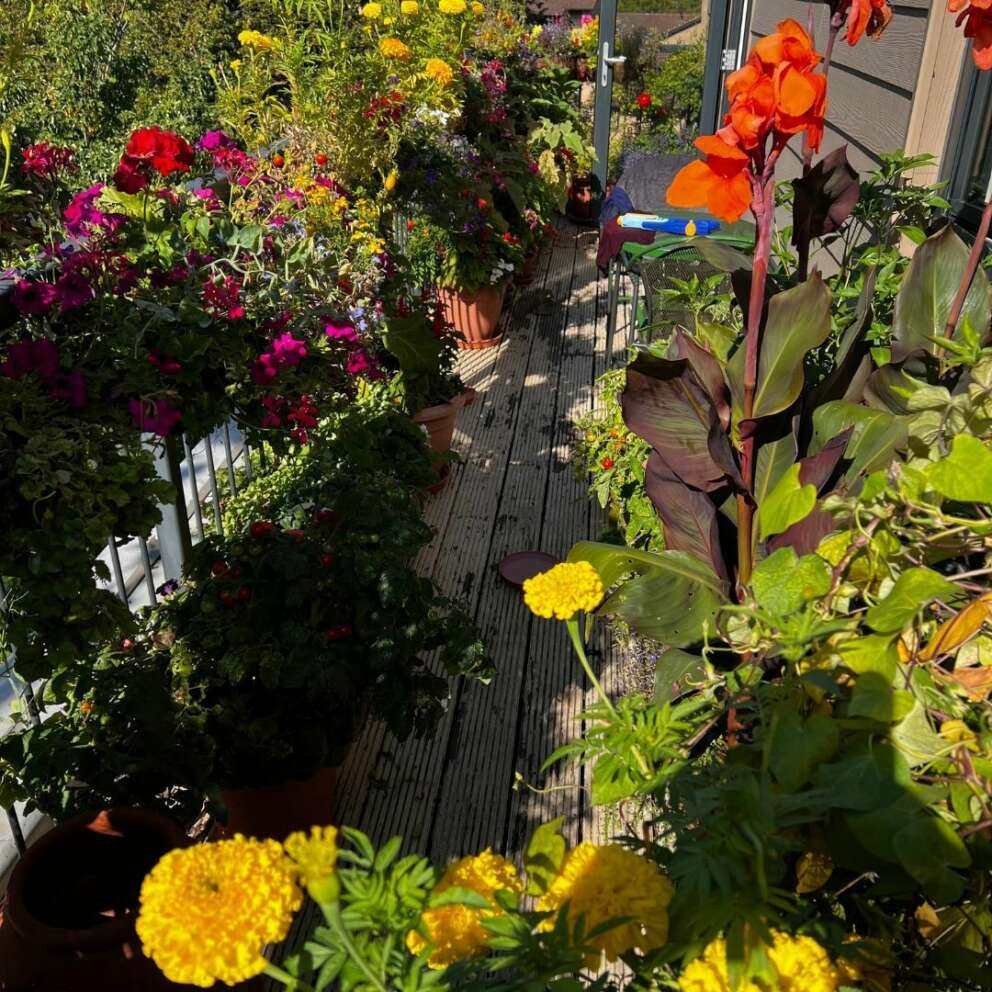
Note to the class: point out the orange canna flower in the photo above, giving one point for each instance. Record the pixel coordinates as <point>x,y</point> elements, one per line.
<point>790,44</point>
<point>812,119</point>
<point>872,16</point>
<point>720,182</point>
<point>752,110</point>
<point>977,19</point>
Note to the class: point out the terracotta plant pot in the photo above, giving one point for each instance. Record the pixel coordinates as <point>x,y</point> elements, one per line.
<point>475,315</point>
<point>581,199</point>
<point>276,811</point>
<point>68,919</point>
<point>439,422</point>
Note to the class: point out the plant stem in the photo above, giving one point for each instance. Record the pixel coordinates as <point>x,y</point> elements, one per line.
<point>970,269</point>
<point>763,207</point>
<point>573,631</point>
<point>274,971</point>
<point>332,913</point>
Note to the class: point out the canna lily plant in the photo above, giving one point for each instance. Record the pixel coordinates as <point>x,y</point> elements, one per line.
<point>742,445</point>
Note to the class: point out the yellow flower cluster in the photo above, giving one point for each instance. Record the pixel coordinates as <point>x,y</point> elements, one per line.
<point>456,932</point>
<point>439,71</point>
<point>452,7</point>
<point>372,11</point>
<point>258,41</point>
<point>393,48</point>
<point>207,911</point>
<point>601,882</point>
<point>477,8</point>
<point>315,854</point>
<point>564,590</point>
<point>409,7</point>
<point>800,963</point>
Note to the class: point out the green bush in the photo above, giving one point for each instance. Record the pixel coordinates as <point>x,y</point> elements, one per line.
<point>120,64</point>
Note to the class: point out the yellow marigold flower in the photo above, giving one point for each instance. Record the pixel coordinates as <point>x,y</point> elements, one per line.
<point>564,590</point>
<point>478,8</point>
<point>452,6</point>
<point>314,854</point>
<point>800,963</point>
<point>388,20</point>
<point>372,11</point>
<point>409,7</point>
<point>390,182</point>
<point>601,882</point>
<point>207,911</point>
<point>456,932</point>
<point>393,48</point>
<point>236,64</point>
<point>257,40</point>
<point>439,71</point>
<point>535,31</point>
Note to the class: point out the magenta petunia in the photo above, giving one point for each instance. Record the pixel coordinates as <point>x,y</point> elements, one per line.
<point>23,357</point>
<point>154,417</point>
<point>210,141</point>
<point>287,350</point>
<point>73,291</point>
<point>33,297</point>
<point>340,332</point>
<point>360,362</point>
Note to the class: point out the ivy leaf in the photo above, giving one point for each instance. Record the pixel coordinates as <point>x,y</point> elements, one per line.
<point>544,855</point>
<point>875,698</point>
<point>788,503</point>
<point>928,848</point>
<point>868,779</point>
<point>783,583</point>
<point>913,590</point>
<point>966,473</point>
<point>798,746</point>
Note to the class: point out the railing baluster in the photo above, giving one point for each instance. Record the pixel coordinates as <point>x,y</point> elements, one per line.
<point>212,473</point>
<point>115,564</point>
<point>230,461</point>
<point>197,511</point>
<point>146,561</point>
<point>246,451</point>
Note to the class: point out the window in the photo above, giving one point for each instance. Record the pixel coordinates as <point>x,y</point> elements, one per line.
<point>969,148</point>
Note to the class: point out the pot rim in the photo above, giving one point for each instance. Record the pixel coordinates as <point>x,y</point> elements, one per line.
<point>105,821</point>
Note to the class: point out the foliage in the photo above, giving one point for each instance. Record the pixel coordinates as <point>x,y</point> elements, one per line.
<point>120,65</point>
<point>676,90</point>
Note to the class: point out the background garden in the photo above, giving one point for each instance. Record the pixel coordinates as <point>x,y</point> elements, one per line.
<point>277,223</point>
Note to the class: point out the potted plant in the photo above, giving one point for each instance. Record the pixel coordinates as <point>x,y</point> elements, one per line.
<point>283,640</point>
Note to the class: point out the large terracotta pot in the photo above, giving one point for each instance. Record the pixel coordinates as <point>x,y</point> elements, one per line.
<point>475,315</point>
<point>68,918</point>
<point>276,811</point>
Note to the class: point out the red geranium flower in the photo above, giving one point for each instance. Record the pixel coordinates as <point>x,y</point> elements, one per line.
<point>165,151</point>
<point>644,100</point>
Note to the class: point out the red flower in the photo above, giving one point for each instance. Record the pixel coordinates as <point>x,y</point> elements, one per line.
<point>326,560</point>
<point>130,177</point>
<point>607,464</point>
<point>482,204</point>
<point>278,161</point>
<point>164,151</point>
<point>336,633</point>
<point>295,533</point>
<point>410,225</point>
<point>260,528</point>
<point>244,593</point>
<point>320,158</point>
<point>219,567</point>
<point>644,100</point>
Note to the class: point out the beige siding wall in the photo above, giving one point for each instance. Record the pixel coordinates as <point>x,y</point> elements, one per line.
<point>871,85</point>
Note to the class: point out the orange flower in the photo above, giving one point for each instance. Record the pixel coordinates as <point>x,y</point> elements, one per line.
<point>977,18</point>
<point>720,183</point>
<point>812,120</point>
<point>789,57</point>
<point>870,15</point>
<point>752,109</point>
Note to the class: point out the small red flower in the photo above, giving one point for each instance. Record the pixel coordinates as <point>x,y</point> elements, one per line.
<point>410,225</point>
<point>336,633</point>
<point>644,100</point>
<point>482,203</point>
<point>326,560</point>
<point>244,594</point>
<point>127,645</point>
<point>278,161</point>
<point>295,533</point>
<point>164,151</point>
<point>326,516</point>
<point>508,237</point>
<point>607,464</point>
<point>218,567</point>
<point>320,158</point>
<point>228,600</point>
<point>260,528</point>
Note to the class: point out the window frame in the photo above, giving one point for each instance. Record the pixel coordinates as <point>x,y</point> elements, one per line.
<point>973,103</point>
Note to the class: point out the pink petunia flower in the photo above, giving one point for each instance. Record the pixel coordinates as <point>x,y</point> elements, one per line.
<point>33,297</point>
<point>154,417</point>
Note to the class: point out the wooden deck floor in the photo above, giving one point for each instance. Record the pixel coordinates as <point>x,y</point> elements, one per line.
<point>515,489</point>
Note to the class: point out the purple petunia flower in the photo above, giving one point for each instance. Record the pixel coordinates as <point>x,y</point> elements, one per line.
<point>154,417</point>
<point>33,297</point>
<point>340,332</point>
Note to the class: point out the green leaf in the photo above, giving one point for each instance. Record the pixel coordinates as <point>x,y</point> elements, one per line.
<point>668,596</point>
<point>717,338</point>
<point>774,459</point>
<point>916,739</point>
<point>867,779</point>
<point>783,583</point>
<point>788,503</point>
<point>871,653</point>
<point>927,292</point>
<point>966,473</point>
<point>797,747</point>
<point>877,434</point>
<point>928,848</point>
<point>875,698</point>
<point>673,668</point>
<point>798,321</point>
<point>913,590</point>
<point>457,895</point>
<point>544,855</point>
<point>412,343</point>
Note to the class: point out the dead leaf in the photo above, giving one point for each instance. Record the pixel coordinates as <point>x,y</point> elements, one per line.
<point>812,871</point>
<point>952,634</point>
<point>976,681</point>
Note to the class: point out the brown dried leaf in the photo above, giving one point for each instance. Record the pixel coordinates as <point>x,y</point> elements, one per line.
<point>812,871</point>
<point>952,634</point>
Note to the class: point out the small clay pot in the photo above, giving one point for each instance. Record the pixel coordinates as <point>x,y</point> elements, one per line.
<point>475,315</point>
<point>276,811</point>
<point>69,914</point>
<point>439,423</point>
